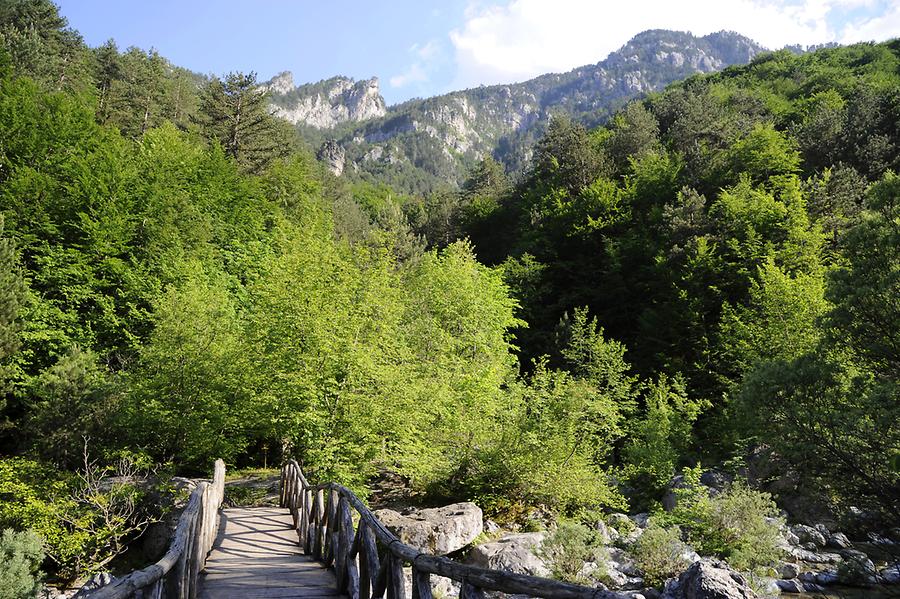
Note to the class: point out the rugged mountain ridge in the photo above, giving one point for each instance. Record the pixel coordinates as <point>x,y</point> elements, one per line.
<point>327,103</point>
<point>422,144</point>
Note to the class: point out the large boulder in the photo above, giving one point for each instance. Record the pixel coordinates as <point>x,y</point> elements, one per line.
<point>437,531</point>
<point>709,579</point>
<point>838,540</point>
<point>790,586</point>
<point>788,571</point>
<point>511,553</point>
<point>808,534</point>
<point>890,575</point>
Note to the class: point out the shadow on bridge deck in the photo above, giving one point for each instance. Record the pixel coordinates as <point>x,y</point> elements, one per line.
<point>256,556</point>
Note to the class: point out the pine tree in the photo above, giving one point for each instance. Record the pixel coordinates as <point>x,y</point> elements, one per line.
<point>108,69</point>
<point>235,113</point>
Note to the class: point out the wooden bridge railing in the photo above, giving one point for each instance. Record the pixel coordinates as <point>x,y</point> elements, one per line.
<point>175,575</point>
<point>368,559</point>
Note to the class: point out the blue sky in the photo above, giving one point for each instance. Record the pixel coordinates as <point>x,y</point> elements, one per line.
<point>423,48</point>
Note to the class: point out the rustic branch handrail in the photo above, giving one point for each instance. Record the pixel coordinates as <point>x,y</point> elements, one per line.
<point>324,523</point>
<point>175,576</point>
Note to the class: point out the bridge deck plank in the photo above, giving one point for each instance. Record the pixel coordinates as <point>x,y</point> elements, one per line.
<point>256,556</point>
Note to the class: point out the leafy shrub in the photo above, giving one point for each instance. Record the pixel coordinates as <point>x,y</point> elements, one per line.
<point>85,520</point>
<point>662,435</point>
<point>547,452</point>
<point>567,548</point>
<point>739,524</point>
<point>660,553</point>
<point>21,555</point>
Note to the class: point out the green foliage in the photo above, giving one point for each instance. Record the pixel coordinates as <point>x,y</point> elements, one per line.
<point>84,519</point>
<point>764,152</point>
<point>21,554</point>
<point>568,547</point>
<point>780,320</point>
<point>660,553</point>
<point>662,436</point>
<point>73,400</point>
<point>866,292</point>
<point>189,378</point>
<point>13,296</point>
<point>738,524</point>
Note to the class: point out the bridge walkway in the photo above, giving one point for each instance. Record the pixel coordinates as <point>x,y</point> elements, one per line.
<point>256,556</point>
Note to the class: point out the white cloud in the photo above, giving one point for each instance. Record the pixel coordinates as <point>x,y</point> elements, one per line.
<point>523,38</point>
<point>424,57</point>
<point>876,28</point>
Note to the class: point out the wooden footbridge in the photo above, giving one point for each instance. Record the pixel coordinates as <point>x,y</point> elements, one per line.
<point>323,542</point>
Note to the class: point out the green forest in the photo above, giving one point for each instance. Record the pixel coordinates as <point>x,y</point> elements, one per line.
<point>710,278</point>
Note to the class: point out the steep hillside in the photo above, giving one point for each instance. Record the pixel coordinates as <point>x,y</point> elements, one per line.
<point>424,144</point>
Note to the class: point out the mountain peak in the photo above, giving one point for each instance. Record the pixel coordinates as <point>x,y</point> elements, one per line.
<point>281,83</point>
<point>327,103</point>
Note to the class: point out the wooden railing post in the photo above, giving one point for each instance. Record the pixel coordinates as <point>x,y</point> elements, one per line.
<point>421,584</point>
<point>176,574</point>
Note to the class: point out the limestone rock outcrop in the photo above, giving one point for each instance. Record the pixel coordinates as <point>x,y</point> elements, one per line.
<point>327,103</point>
<point>437,531</point>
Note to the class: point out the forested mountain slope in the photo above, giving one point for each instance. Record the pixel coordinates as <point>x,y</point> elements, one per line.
<point>739,232</point>
<point>422,145</point>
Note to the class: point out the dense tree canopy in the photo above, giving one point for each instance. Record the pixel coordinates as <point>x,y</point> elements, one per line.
<point>713,271</point>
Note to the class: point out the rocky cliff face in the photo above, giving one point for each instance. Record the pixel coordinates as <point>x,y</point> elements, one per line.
<point>422,144</point>
<point>328,103</point>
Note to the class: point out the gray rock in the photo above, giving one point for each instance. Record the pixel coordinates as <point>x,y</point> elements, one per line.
<point>823,578</point>
<point>155,540</point>
<point>709,579</point>
<point>689,555</point>
<point>632,537</point>
<point>641,519</point>
<point>603,532</point>
<point>440,586</point>
<point>619,521</point>
<point>878,539</point>
<point>808,534</point>
<point>813,557</point>
<point>767,586</point>
<point>856,568</point>
<point>618,559</point>
<point>341,100</point>
<point>333,155</point>
<point>790,538</point>
<point>670,498</point>
<point>790,586</point>
<point>438,531</point>
<point>511,553</point>
<point>837,540</point>
<point>95,582</point>
<point>491,527</point>
<point>787,570</point>
<point>890,575</point>
<point>615,578</point>
<point>716,480</point>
